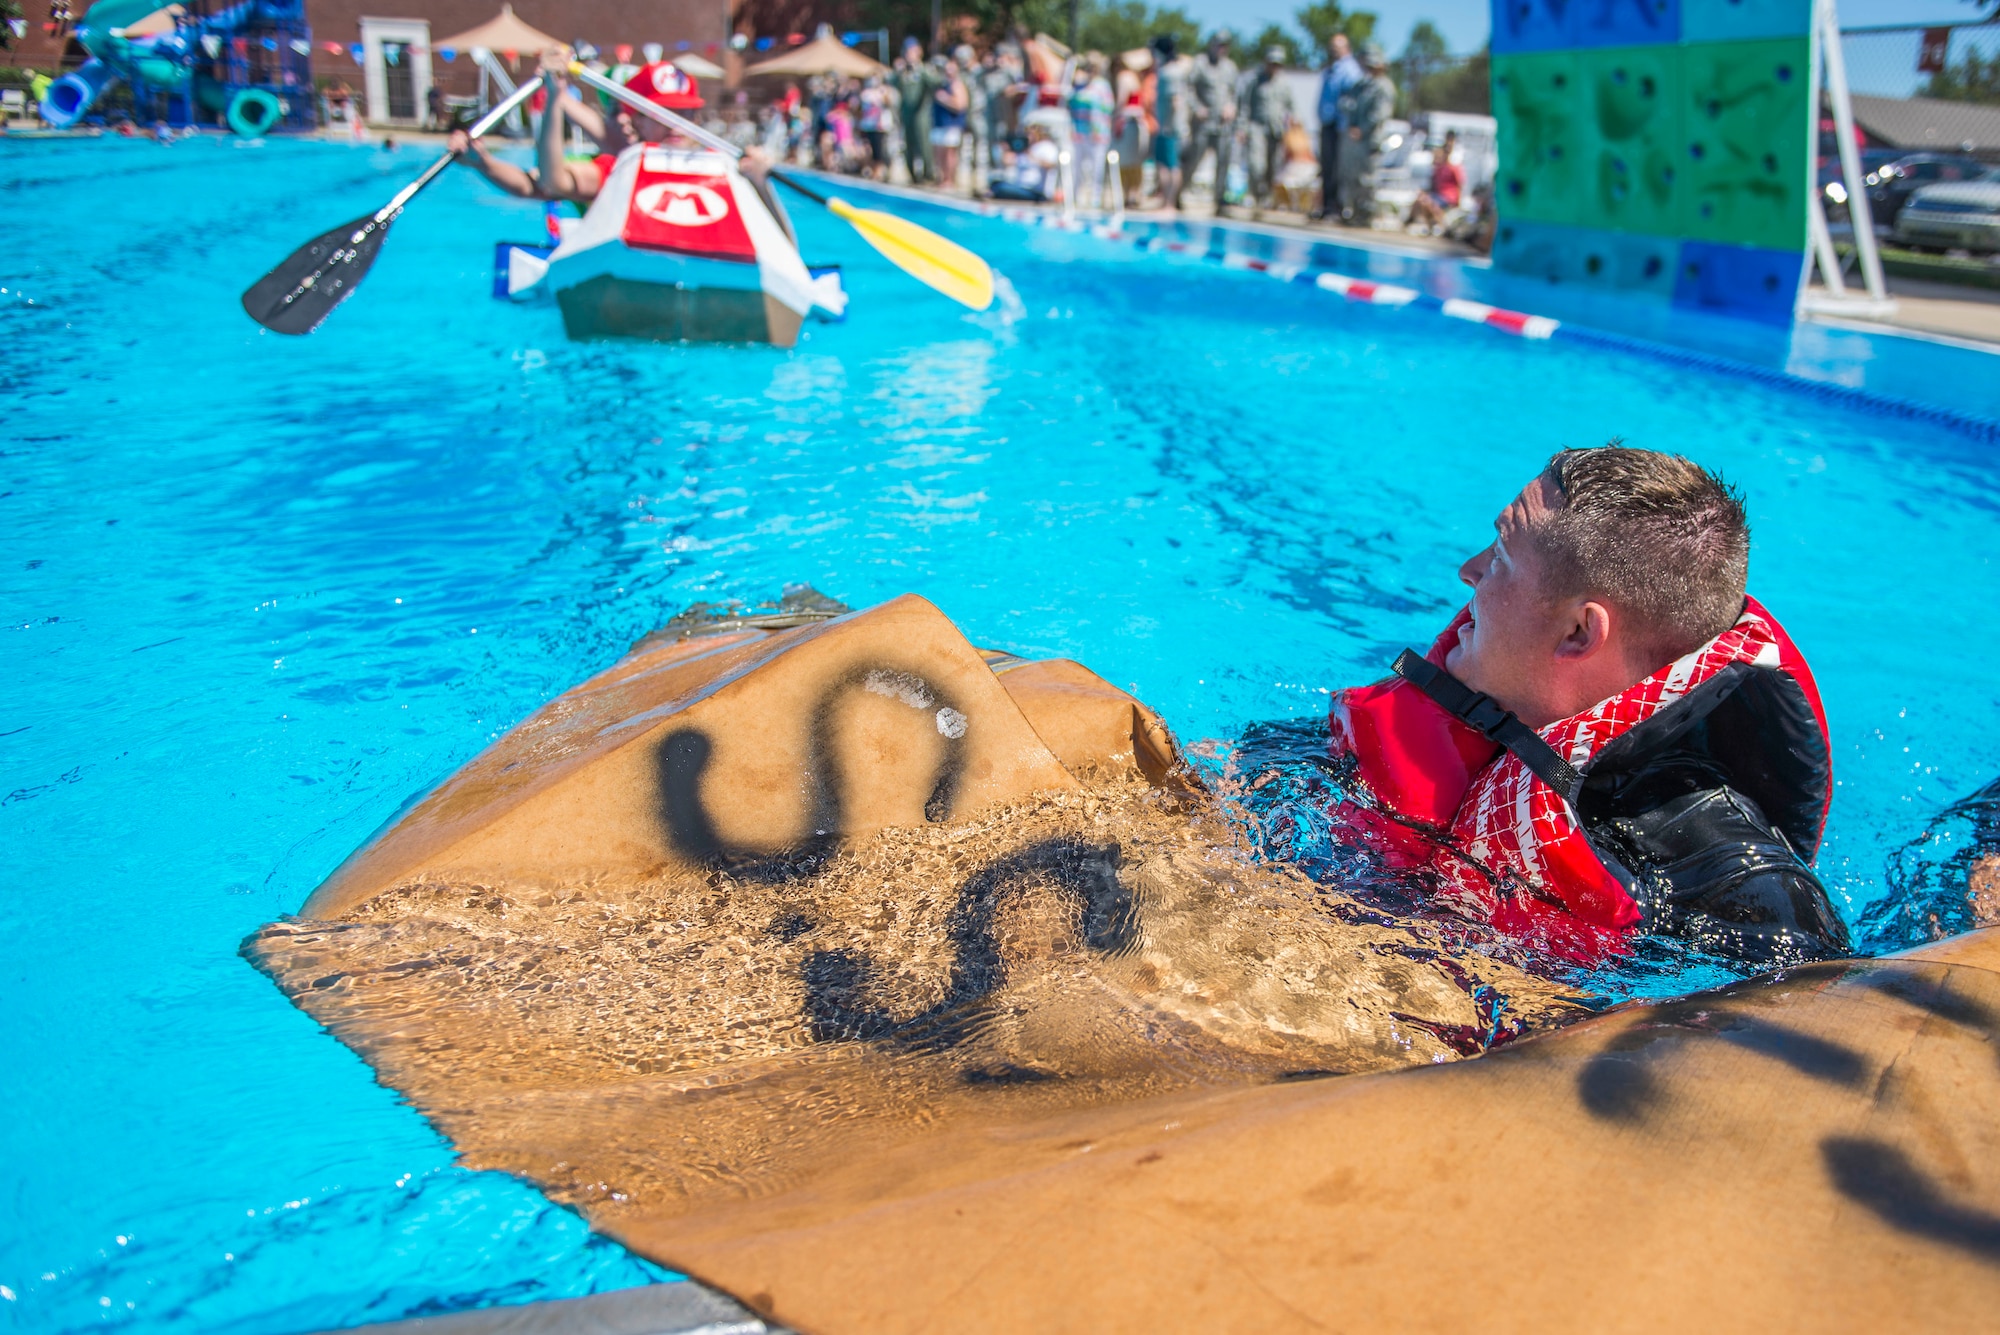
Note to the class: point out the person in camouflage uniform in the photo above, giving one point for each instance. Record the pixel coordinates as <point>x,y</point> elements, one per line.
<point>972,67</point>
<point>1212,112</point>
<point>916,90</point>
<point>1268,111</point>
<point>1363,108</point>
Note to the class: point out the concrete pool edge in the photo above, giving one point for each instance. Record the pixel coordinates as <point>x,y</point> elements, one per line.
<point>1199,239</point>
<point>678,1307</point>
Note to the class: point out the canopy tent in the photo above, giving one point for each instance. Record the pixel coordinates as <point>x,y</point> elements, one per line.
<point>503,34</point>
<point>825,54</point>
<point>156,24</point>
<point>1046,59</point>
<point>695,67</point>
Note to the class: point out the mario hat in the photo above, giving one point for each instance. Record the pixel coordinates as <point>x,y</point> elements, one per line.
<point>665,83</point>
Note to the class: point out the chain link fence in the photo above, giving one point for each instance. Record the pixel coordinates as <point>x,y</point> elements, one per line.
<point>1927,89</point>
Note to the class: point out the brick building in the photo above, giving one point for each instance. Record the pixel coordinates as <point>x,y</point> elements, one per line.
<point>385,49</point>
<point>399,61</point>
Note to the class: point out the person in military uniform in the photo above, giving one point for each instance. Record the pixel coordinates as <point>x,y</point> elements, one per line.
<point>1363,108</point>
<point>1212,112</point>
<point>916,90</point>
<point>1268,112</point>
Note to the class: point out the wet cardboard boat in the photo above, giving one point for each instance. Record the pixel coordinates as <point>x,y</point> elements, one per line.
<point>890,985</point>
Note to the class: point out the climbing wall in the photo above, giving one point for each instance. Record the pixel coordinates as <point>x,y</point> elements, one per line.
<point>1659,146</point>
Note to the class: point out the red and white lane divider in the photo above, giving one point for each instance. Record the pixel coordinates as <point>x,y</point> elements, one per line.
<point>1527,326</point>
<point>1353,289</point>
<point>1360,289</point>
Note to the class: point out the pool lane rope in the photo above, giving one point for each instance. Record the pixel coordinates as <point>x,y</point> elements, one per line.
<point>1354,289</point>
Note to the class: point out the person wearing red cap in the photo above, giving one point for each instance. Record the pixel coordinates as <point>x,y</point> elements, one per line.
<point>560,177</point>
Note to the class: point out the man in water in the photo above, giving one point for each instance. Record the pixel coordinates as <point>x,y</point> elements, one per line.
<point>1212,112</point>
<point>1619,739</point>
<point>556,176</point>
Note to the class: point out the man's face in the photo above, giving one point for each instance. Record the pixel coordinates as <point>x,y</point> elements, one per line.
<point>1506,648</point>
<point>1338,45</point>
<point>641,126</point>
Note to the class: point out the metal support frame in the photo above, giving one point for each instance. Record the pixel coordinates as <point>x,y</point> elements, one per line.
<point>1837,299</point>
<point>491,72</point>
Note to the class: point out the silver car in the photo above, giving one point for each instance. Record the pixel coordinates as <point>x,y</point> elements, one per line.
<point>1962,215</point>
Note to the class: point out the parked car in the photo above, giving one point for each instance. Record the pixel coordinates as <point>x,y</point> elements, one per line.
<point>1891,185</point>
<point>1833,183</point>
<point>1962,215</point>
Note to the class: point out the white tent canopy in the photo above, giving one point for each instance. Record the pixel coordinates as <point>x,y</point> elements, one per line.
<point>502,33</point>
<point>825,54</point>
<point>695,67</point>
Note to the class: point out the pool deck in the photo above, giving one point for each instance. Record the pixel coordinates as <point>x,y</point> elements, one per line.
<point>1965,315</point>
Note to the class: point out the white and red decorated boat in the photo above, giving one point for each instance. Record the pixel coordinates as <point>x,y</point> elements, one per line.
<point>677,246</point>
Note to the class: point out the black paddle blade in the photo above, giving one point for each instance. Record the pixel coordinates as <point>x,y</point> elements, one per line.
<point>294,297</point>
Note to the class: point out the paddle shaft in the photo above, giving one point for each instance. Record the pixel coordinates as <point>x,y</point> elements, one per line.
<point>481,126</point>
<point>678,122</point>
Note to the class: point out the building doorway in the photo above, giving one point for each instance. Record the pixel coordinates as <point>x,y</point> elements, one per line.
<point>396,55</point>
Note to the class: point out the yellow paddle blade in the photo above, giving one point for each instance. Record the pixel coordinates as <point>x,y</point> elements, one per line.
<point>922,254</point>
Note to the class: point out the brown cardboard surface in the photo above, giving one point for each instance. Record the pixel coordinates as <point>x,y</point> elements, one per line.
<point>738,745</point>
<point>1088,723</point>
<point>1819,1152</point>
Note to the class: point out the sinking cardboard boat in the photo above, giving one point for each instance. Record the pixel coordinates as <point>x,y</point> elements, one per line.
<point>678,246</point>
<point>895,986</point>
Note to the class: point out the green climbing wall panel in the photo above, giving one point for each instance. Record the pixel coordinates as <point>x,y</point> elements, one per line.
<point>1670,156</point>
<point>1534,97</point>
<point>1629,138</point>
<point>1746,127</point>
<point>1706,140</point>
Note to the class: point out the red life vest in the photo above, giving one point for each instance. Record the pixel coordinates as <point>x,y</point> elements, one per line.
<point>689,213</point>
<point>1498,824</point>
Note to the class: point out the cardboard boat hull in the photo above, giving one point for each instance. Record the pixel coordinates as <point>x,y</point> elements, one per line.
<point>608,306</point>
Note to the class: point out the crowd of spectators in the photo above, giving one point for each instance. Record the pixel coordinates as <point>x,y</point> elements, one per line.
<point>1019,121</point>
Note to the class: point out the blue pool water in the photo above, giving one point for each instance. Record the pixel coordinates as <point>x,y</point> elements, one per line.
<point>259,591</point>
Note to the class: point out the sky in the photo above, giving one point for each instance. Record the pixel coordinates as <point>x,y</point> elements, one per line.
<point>1465,23</point>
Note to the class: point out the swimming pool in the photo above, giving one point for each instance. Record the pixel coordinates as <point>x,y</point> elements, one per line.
<point>260,591</point>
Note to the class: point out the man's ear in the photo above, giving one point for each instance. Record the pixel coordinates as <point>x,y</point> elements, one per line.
<point>1589,631</point>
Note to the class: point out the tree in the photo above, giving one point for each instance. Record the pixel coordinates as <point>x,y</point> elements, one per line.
<point>1969,80</point>
<point>1323,18</point>
<point>1121,25</point>
<point>1424,55</point>
<point>1273,34</point>
<point>1102,25</point>
<point>1463,85</point>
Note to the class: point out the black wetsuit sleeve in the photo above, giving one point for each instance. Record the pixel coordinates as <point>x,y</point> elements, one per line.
<point>1709,867</point>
